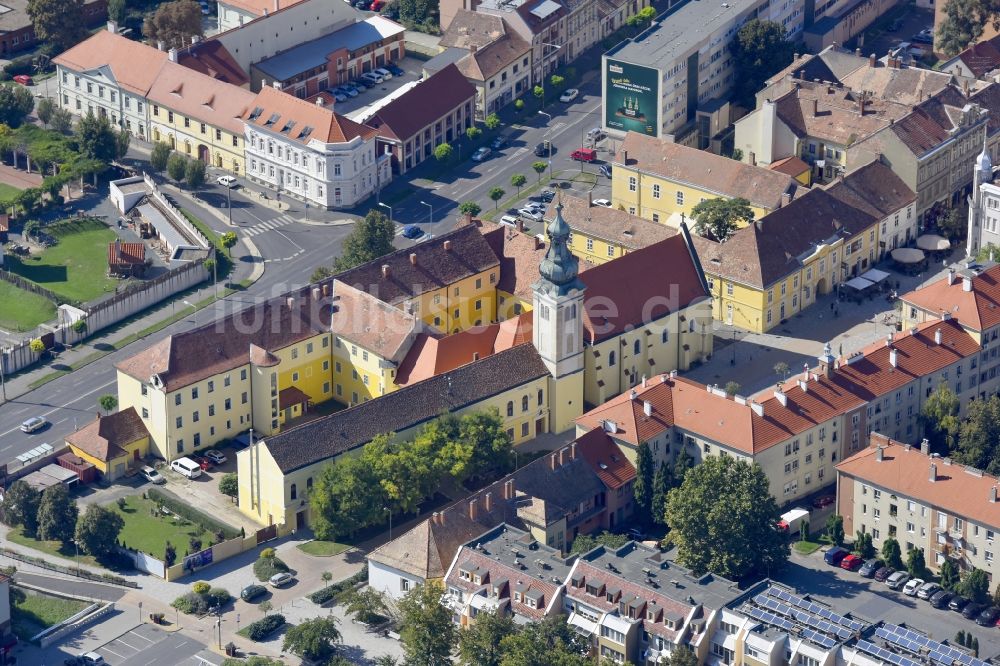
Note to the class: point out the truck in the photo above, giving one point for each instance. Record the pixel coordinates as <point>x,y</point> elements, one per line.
<point>792,520</point>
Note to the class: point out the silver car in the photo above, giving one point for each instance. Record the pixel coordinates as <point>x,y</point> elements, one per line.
<point>34,424</point>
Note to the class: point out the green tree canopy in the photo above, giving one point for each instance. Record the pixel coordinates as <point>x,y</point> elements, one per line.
<point>159,155</point>
<point>194,173</point>
<point>662,482</point>
<point>174,23</point>
<point>761,50</point>
<point>62,121</point>
<point>683,656</point>
<point>939,418</point>
<point>539,167</point>
<point>723,505</point>
<point>584,543</point>
<point>963,24</point>
<point>518,180</point>
<point>949,574</point>
<point>718,218</point>
<point>44,110</point>
<point>863,546</point>
<point>96,138</point>
<point>835,529</point>
<point>915,563</point>
<point>312,639</point>
<point>15,103</point>
<point>470,208</point>
<point>19,507</point>
<point>642,487</point>
<point>229,484</point>
<point>418,12</point>
<point>549,642</point>
<point>59,22</point>
<point>426,629</point>
<point>107,402</point>
<point>177,166</point>
<point>492,121</point>
<point>479,645</point>
<point>370,239</point>
<point>368,605</point>
<point>979,436</point>
<point>443,152</point>
<point>496,194</point>
<point>57,514</point>
<point>642,18</point>
<point>891,553</point>
<point>97,530</point>
<point>975,585</point>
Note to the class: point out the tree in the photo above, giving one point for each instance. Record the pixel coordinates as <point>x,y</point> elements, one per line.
<point>732,388</point>
<point>443,152</point>
<point>949,574</point>
<point>683,656</point>
<point>418,12</point>
<point>549,642</point>
<point>116,11</point>
<point>79,326</point>
<point>426,629</point>
<point>682,464</point>
<point>59,22</point>
<point>518,180</point>
<point>107,402</point>
<point>57,515</point>
<point>863,546</point>
<point>470,208</point>
<point>265,607</point>
<point>229,484</point>
<point>312,639</point>
<point>169,554</point>
<point>347,497</point>
<point>954,224</point>
<point>557,81</point>
<point>963,24</point>
<point>122,141</point>
<point>891,553</point>
<point>479,645</point>
<point>20,507</point>
<point>538,92</point>
<point>177,166</point>
<point>97,530</point>
<point>44,110</point>
<point>370,239</point>
<point>915,563</point>
<point>939,419</point>
<point>62,121</point>
<point>368,605</point>
<point>584,543</point>
<point>975,585</point>
<point>15,103</point>
<point>473,132</point>
<point>723,505</point>
<point>781,369</point>
<point>760,50</point>
<point>641,19</point>
<point>174,23</point>
<point>37,346</point>
<point>835,529</point>
<point>496,194</point>
<point>519,104</point>
<point>160,155</point>
<point>228,240</point>
<point>661,489</point>
<point>194,173</point>
<point>642,488</point>
<point>539,168</point>
<point>96,138</point>
<point>492,121</point>
<point>979,436</point>
<point>719,218</point>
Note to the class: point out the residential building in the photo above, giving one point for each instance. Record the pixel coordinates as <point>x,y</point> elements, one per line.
<point>663,181</point>
<point>967,296</point>
<point>199,116</point>
<point>491,574</point>
<point>17,32</point>
<point>584,487</point>
<point>436,110</point>
<point>637,606</point>
<point>983,232</point>
<point>602,234</point>
<point>981,60</point>
<point>109,75</point>
<point>922,500</point>
<point>311,153</point>
<point>115,444</point>
<point>843,20</point>
<point>667,82</point>
<point>334,58</point>
<point>234,13</point>
<point>875,189</point>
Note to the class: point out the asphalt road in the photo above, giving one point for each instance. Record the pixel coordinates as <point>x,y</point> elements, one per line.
<point>80,588</point>
<point>147,645</point>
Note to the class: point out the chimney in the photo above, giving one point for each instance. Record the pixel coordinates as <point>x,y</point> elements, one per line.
<point>893,357</point>
<point>633,394</point>
<point>290,302</point>
<point>966,283</point>
<point>644,381</point>
<point>519,225</point>
<point>112,27</point>
<point>937,337</point>
<point>539,241</point>
<point>933,475</point>
<point>993,494</point>
<point>276,85</point>
<point>488,502</point>
<point>508,489</point>
<point>447,246</point>
<point>780,395</point>
<point>786,198</point>
<point>316,293</point>
<point>161,45</point>
<point>553,462</point>
<point>872,60</point>
<point>562,456</point>
<point>815,105</point>
<point>195,39</point>
<point>647,408</point>
<point>572,450</point>
<point>172,55</point>
<point>434,518</point>
<point>624,157</point>
<point>474,48</point>
<point>413,258</point>
<point>326,288</point>
<point>861,106</point>
<point>879,454</point>
<point>925,447</point>
<point>319,100</point>
<point>277,5</point>
<point>385,271</point>
<point>473,508</point>
<point>590,198</point>
<point>441,518</point>
<point>951,276</point>
<point>753,158</point>
<point>857,52</point>
<point>796,56</point>
<point>757,408</point>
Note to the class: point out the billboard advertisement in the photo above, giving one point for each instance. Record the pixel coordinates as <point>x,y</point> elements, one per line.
<point>631,98</point>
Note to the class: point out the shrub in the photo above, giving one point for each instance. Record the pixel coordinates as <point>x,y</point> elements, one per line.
<point>267,553</point>
<point>264,627</point>
<point>266,567</point>
<point>339,590</point>
<point>189,513</point>
<point>201,587</point>
<point>199,603</point>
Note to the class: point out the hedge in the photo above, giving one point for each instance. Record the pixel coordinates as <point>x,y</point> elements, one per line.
<point>337,590</point>
<point>193,603</point>
<point>261,629</point>
<point>265,567</point>
<point>192,514</point>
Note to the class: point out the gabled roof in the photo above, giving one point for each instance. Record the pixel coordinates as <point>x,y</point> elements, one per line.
<point>704,170</point>
<point>791,166</point>
<point>838,115</point>
<point>373,324</point>
<point>104,437</point>
<point>873,188</point>
<point>982,57</point>
<point>961,491</point>
<point>423,104</point>
<point>610,224</point>
<point>274,110</point>
<point>211,58</point>
<point>201,97</point>
<point>123,253</point>
<point>135,65</point>
<point>484,62</point>
<point>606,459</point>
<point>470,29</point>
<point>259,7</point>
<point>931,123</point>
<point>977,309</point>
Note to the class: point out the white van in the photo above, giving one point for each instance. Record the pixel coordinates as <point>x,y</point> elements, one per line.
<point>186,467</point>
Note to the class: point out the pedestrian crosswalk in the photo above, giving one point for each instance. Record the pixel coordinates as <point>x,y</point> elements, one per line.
<point>261,227</point>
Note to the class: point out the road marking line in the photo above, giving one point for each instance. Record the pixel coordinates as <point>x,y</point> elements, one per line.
<point>107,649</point>
<point>145,638</point>
<point>63,406</point>
<point>130,647</point>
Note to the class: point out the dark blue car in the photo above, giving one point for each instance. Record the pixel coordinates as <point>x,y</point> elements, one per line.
<point>412,231</point>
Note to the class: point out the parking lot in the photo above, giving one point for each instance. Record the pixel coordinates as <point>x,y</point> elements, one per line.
<point>150,646</point>
<point>848,592</point>
<point>357,108</point>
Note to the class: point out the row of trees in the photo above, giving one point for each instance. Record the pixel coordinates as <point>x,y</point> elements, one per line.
<point>973,440</point>
<point>179,167</point>
<point>53,516</point>
<point>652,487</point>
<point>355,492</point>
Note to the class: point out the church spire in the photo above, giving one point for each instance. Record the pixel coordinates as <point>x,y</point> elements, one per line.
<point>559,268</point>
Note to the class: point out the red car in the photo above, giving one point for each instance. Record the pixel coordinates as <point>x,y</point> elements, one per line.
<point>584,154</point>
<point>851,563</point>
<point>377,5</point>
<point>204,463</point>
<point>825,501</point>
<point>23,79</point>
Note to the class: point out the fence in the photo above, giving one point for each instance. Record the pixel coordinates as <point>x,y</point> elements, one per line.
<point>217,553</point>
<point>145,562</point>
<point>175,213</point>
<point>111,579</point>
<point>27,285</point>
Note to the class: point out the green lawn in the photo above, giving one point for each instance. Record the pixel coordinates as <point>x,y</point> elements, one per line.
<point>31,612</point>
<point>8,192</point>
<point>150,534</point>
<point>323,548</point>
<point>76,267</point>
<point>23,310</point>
<point>17,536</point>
<point>806,547</point>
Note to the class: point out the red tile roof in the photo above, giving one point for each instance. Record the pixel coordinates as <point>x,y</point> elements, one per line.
<point>290,396</point>
<point>982,58</point>
<point>126,253</point>
<point>327,126</point>
<point>135,65</point>
<point>423,105</point>
<point>605,458</point>
<point>212,58</point>
<point>978,309</point>
<point>104,437</point>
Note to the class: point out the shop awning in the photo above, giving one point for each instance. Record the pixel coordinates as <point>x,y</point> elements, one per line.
<point>859,283</point>
<point>875,275</point>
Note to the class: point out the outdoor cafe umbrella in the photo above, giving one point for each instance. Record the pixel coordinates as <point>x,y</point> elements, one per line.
<point>933,243</point>
<point>908,255</point>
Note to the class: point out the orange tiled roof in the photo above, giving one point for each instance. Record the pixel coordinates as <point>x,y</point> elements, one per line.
<point>201,97</point>
<point>327,126</point>
<point>978,309</point>
<point>126,253</point>
<point>135,65</point>
<point>104,437</point>
<point>905,471</point>
<point>605,458</point>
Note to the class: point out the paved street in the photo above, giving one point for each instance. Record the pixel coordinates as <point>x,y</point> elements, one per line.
<point>147,645</point>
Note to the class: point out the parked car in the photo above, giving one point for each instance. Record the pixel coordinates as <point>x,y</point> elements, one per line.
<point>499,142</point>
<point>23,79</point>
<point>569,95</point>
<point>360,85</point>
<point>412,231</point>
<point>339,96</point>
<point>349,91</point>
<point>989,617</point>
<point>382,71</point>
<point>481,154</point>
<point>86,659</point>
<point>897,580</point>
<point>251,592</point>
<point>605,203</point>
<point>825,501</point>
<point>226,181</point>
<point>531,214</point>
<point>34,424</point>
<point>972,610</point>
<point>941,598</point>
<point>352,87</point>
<point>395,69</point>
<point>925,36</point>
<point>281,579</point>
<point>870,567</point>
<point>835,555</point>
<point>217,457</point>
<point>928,590</point>
<point>605,170</point>
<point>584,154</point>
<point>376,5</point>
<point>371,78</point>
<point>958,603</point>
<point>362,4</point>
<point>543,148</point>
<point>912,585</point>
<point>883,573</point>
<point>186,467</point>
<point>152,475</point>
<point>851,563</point>
<point>509,220</point>
<point>595,135</point>
<point>547,196</point>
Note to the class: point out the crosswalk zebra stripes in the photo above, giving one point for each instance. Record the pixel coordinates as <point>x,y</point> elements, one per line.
<point>261,227</point>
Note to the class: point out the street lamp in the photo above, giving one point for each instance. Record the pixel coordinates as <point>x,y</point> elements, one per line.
<point>229,203</point>
<point>556,47</point>
<point>3,383</point>
<point>385,205</point>
<point>389,511</point>
<point>432,211</point>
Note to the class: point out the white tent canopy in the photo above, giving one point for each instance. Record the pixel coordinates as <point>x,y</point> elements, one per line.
<point>933,242</point>
<point>908,255</point>
<point>859,283</point>
<point>874,275</point>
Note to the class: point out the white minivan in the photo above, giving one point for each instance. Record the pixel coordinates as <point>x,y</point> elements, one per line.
<point>186,467</point>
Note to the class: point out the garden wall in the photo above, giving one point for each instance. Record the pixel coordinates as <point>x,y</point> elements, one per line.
<point>220,551</point>
<point>145,562</point>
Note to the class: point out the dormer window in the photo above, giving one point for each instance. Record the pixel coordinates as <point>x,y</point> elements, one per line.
<point>610,597</point>
<point>517,597</point>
